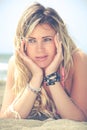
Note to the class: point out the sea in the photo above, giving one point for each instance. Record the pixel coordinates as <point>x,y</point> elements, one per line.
<point>4,58</point>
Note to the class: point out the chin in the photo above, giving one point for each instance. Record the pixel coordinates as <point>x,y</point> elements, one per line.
<point>43,66</point>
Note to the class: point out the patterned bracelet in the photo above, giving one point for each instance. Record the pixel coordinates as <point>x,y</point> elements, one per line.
<point>34,90</point>
<point>51,79</point>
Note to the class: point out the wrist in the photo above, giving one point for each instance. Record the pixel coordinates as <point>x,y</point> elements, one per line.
<point>51,79</point>
<point>37,80</point>
<point>35,90</point>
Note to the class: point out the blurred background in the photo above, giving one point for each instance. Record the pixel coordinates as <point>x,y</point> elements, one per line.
<point>74,13</point>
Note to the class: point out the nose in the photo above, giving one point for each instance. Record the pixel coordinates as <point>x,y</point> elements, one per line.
<point>40,47</point>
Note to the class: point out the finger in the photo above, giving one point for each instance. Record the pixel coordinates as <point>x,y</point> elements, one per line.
<point>57,40</point>
<point>19,53</point>
<point>22,49</point>
<point>58,43</point>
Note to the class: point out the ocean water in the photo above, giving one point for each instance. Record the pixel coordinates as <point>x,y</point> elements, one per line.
<point>4,58</point>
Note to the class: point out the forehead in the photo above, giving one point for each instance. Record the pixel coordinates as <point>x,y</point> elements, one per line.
<point>42,29</point>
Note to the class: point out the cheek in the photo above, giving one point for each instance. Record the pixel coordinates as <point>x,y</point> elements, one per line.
<point>30,52</point>
<point>53,54</point>
<point>52,50</point>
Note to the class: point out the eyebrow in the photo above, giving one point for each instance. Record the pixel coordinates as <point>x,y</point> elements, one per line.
<point>47,36</point>
<point>42,37</point>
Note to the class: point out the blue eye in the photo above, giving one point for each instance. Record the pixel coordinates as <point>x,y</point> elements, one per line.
<point>30,40</point>
<point>47,39</point>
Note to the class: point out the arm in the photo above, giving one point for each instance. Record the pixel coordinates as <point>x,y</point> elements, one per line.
<point>8,94</point>
<point>74,107</point>
<point>25,103</point>
<point>79,89</point>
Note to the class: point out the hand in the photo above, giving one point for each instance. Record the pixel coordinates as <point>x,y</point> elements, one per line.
<point>57,59</point>
<point>35,69</point>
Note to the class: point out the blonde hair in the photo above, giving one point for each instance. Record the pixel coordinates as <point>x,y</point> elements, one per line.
<point>32,16</point>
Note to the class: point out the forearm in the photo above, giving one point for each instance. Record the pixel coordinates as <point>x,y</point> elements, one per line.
<point>64,105</point>
<point>24,103</point>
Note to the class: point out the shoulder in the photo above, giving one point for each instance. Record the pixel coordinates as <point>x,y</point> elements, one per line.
<point>80,70</point>
<point>11,62</point>
<point>80,66</point>
<point>79,55</point>
<point>80,59</point>
<point>11,66</point>
<point>10,72</point>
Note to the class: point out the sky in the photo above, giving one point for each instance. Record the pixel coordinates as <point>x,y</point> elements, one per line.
<point>73,12</point>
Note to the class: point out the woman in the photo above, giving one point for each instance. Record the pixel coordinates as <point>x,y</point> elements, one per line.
<point>47,74</point>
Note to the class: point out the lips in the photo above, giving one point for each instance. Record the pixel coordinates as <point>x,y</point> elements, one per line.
<point>41,58</point>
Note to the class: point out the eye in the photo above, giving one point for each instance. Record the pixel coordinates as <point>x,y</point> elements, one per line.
<point>31,40</point>
<point>47,39</point>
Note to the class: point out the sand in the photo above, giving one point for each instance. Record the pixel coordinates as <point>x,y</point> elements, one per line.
<point>49,124</point>
<point>23,124</point>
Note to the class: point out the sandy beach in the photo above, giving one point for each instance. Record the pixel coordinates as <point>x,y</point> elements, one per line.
<point>49,124</point>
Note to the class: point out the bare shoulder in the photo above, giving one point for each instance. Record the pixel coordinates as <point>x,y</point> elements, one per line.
<point>10,73</point>
<point>9,94</point>
<point>80,66</point>
<point>11,63</point>
<point>80,59</point>
<point>80,54</point>
<point>11,60</point>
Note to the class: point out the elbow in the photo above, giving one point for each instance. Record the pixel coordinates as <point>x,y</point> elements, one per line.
<point>2,115</point>
<point>76,117</point>
<point>10,115</point>
<point>81,119</point>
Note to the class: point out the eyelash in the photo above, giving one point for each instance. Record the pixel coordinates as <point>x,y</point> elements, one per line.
<point>31,41</point>
<point>47,39</point>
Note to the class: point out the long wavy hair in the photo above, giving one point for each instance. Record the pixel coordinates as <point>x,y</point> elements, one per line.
<point>32,16</point>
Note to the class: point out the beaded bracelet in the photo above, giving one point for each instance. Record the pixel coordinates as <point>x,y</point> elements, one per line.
<point>51,79</point>
<point>34,90</point>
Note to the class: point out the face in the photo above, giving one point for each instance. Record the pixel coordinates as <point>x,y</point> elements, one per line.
<point>41,46</point>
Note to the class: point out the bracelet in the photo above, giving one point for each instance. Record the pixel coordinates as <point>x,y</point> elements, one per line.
<point>51,79</point>
<point>34,90</point>
<point>15,113</point>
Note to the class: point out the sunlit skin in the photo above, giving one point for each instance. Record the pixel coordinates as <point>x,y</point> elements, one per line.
<point>38,55</point>
<point>41,50</point>
<point>41,46</point>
